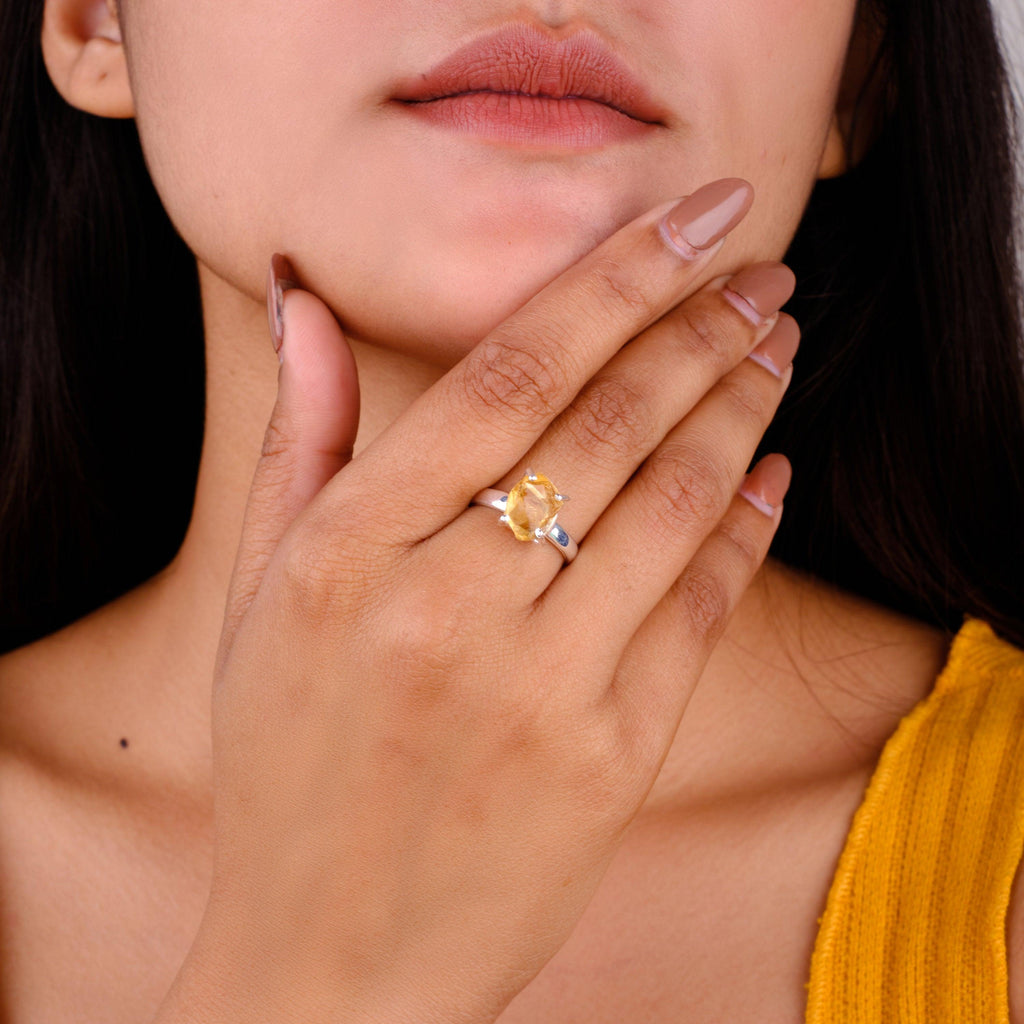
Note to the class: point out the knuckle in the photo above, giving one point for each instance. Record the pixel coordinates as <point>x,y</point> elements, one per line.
<point>684,487</point>
<point>299,554</point>
<point>617,286</point>
<point>307,580</point>
<point>745,547</point>
<point>610,420</point>
<point>426,635</point>
<point>702,331</point>
<point>747,397</point>
<point>430,633</point>
<point>706,600</point>
<point>275,441</point>
<point>525,383</point>
<point>321,579</point>
<point>604,765</point>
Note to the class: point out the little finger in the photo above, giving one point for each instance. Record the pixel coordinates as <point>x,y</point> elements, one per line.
<point>650,685</point>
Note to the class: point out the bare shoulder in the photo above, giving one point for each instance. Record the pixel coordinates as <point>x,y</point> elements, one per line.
<point>68,699</point>
<point>45,691</point>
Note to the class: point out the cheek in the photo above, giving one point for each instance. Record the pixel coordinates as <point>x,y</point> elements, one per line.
<point>265,126</point>
<point>232,98</point>
<point>762,86</point>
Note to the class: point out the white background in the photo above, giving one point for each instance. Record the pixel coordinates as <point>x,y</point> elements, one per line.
<point>1010,14</point>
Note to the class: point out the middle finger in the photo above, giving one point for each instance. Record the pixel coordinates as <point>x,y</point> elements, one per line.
<point>624,412</point>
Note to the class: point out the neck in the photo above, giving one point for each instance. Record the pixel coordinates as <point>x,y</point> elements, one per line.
<point>159,671</point>
<point>241,390</point>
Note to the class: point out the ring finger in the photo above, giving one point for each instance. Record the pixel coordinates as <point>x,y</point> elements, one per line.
<point>654,527</point>
<point>625,411</point>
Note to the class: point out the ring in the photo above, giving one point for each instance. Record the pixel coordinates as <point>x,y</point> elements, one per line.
<point>530,511</point>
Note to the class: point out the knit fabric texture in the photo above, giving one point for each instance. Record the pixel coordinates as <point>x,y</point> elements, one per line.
<point>914,924</point>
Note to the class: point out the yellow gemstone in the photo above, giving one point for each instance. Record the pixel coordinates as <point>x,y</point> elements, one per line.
<point>533,505</point>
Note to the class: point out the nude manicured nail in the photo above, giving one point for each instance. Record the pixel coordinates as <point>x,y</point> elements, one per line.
<point>766,484</point>
<point>707,216</point>
<point>760,290</point>
<point>776,352</point>
<point>280,277</point>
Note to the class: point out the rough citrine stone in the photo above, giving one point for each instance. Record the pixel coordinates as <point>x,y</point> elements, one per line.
<point>532,506</point>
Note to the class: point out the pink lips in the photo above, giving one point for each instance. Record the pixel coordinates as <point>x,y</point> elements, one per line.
<point>519,85</point>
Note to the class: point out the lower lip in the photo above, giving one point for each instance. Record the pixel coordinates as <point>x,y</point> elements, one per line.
<point>512,117</point>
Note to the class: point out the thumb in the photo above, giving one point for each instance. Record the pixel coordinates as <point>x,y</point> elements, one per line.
<point>311,430</point>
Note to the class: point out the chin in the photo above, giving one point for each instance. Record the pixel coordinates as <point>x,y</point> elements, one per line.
<point>438,322</point>
<point>439,308</point>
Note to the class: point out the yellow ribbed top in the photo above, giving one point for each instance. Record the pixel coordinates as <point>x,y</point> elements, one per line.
<point>914,925</point>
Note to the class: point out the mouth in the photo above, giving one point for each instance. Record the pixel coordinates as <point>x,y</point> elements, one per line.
<point>536,96</point>
<point>521,85</point>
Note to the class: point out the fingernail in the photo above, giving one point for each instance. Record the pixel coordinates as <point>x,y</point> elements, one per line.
<point>760,290</point>
<point>707,216</point>
<point>766,484</point>
<point>776,352</point>
<point>280,277</point>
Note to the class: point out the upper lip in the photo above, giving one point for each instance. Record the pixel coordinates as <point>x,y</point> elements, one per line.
<point>522,59</point>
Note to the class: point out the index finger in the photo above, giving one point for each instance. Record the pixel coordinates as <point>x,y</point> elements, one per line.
<point>487,411</point>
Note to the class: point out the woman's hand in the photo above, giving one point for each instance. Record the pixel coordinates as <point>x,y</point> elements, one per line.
<point>429,737</point>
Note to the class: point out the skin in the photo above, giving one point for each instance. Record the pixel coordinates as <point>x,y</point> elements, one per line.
<point>269,133</point>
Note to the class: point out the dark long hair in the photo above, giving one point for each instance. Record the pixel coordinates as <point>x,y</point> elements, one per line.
<point>904,422</point>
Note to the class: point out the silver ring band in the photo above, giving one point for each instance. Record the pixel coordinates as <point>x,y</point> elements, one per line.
<point>489,497</point>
